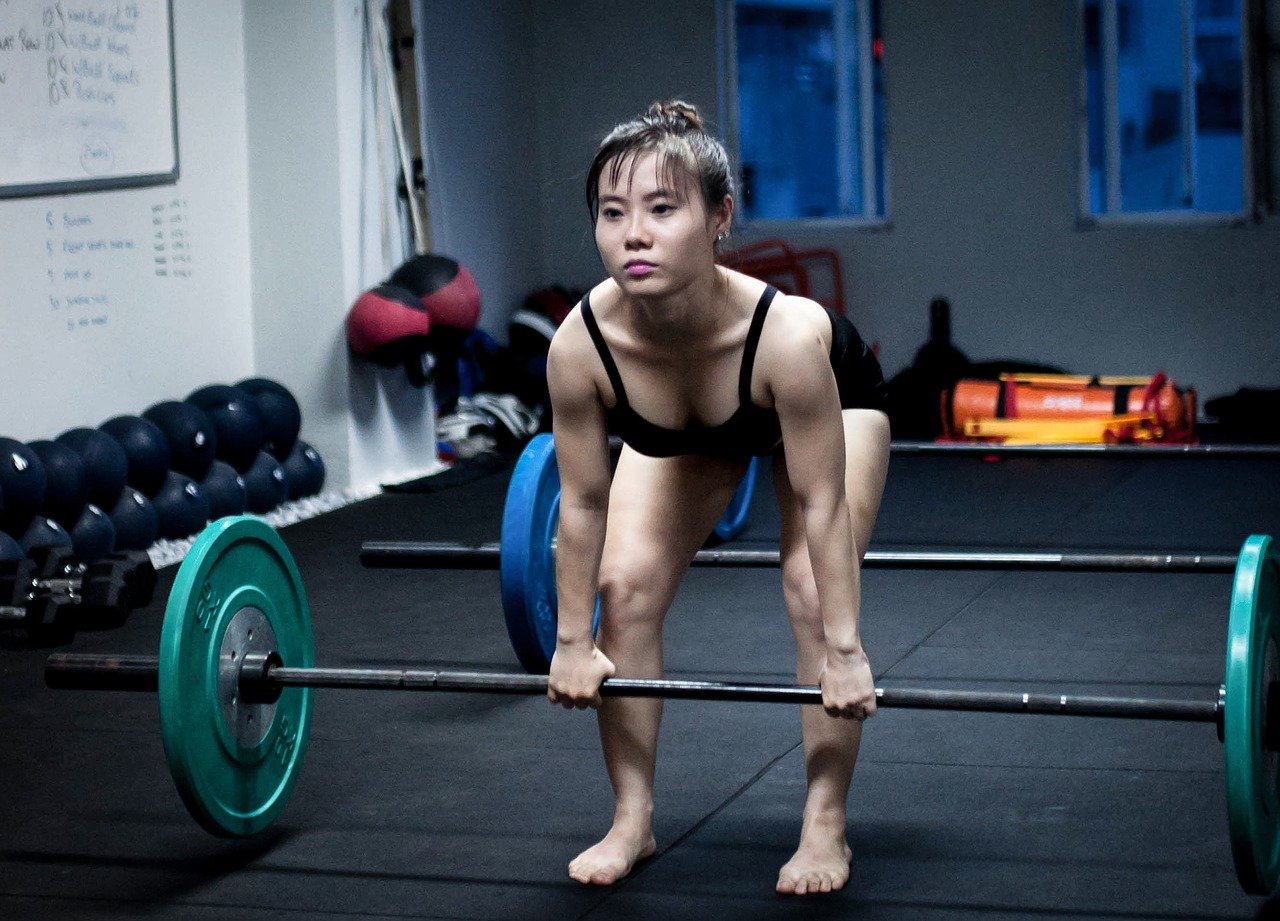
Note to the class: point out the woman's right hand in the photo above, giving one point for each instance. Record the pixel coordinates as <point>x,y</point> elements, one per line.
<point>576,675</point>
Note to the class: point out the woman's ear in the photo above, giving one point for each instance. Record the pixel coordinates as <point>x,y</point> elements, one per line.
<point>724,217</point>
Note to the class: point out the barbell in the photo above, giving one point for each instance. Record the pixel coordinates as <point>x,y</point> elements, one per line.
<point>236,668</point>
<point>526,554</point>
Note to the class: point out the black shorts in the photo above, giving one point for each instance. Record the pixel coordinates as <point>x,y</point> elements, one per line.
<point>858,373</point>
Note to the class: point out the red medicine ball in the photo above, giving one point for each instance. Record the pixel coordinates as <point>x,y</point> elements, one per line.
<point>446,289</point>
<point>387,325</point>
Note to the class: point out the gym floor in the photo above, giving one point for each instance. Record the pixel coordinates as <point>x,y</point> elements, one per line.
<point>440,806</point>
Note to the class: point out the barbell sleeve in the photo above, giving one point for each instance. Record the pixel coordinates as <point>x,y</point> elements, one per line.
<point>408,554</point>
<point>140,673</point>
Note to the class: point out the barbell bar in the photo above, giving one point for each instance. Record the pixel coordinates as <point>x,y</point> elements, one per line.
<point>235,674</point>
<point>416,554</point>
<point>1072,449</point>
<point>260,679</point>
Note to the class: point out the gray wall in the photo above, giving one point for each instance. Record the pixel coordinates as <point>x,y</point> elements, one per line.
<point>482,153</point>
<point>983,192</point>
<point>599,64</point>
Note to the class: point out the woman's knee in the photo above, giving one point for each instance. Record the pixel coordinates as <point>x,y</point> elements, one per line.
<point>633,595</point>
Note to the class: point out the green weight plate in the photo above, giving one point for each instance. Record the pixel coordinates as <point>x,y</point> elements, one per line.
<point>1252,771</point>
<point>235,763</point>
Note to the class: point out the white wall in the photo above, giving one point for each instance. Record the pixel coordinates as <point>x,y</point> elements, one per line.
<point>269,197</point>
<point>145,337</point>
<point>982,147</point>
<point>301,291</point>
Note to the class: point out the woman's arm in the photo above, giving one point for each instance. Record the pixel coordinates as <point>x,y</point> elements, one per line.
<point>798,371</point>
<point>582,454</point>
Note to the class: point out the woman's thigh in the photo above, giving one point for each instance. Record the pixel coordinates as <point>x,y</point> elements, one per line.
<point>866,446</point>
<point>866,451</point>
<point>661,510</point>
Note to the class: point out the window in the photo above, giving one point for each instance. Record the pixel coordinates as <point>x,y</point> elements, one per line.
<point>806,85</point>
<point>1166,98</point>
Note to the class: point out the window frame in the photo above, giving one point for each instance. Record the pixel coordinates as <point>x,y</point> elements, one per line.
<point>1109,29</point>
<point>727,67</point>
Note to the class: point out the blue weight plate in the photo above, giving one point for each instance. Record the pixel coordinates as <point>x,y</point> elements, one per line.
<point>234,762</point>
<point>1252,768</point>
<point>527,568</point>
<point>734,519</point>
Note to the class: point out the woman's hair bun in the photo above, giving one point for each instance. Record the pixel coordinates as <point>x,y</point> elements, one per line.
<point>678,112</point>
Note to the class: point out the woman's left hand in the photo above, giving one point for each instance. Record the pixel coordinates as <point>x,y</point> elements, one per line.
<point>848,688</point>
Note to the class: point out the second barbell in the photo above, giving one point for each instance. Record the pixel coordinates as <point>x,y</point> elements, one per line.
<point>526,554</point>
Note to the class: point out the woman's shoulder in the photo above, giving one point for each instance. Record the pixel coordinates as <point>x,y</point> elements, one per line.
<point>795,350</point>
<point>793,308</point>
<point>796,322</point>
<point>570,357</point>
<point>573,338</point>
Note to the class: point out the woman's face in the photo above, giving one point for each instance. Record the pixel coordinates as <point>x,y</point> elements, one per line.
<point>653,230</point>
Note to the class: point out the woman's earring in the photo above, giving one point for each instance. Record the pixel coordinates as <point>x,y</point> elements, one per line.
<point>722,236</point>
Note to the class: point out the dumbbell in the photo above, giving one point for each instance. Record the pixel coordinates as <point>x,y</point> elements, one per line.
<point>113,587</point>
<point>36,594</point>
<point>104,593</point>
<point>50,595</point>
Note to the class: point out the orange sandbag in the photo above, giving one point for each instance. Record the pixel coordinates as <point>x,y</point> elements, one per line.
<point>1063,397</point>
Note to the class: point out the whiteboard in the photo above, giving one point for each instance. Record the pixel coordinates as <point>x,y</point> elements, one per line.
<point>116,299</point>
<point>86,95</point>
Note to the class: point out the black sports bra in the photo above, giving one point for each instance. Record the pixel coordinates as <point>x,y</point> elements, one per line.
<point>751,430</point>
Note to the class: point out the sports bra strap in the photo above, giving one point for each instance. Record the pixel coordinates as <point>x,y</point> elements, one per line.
<point>753,340</point>
<point>610,366</point>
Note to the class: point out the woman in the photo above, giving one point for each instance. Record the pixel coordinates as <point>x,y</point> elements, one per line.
<point>698,368</point>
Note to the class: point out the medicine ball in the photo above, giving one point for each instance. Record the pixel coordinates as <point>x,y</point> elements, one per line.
<point>281,417</point>
<point>304,471</point>
<point>192,441</point>
<point>226,491</point>
<point>66,486</point>
<point>10,550</point>
<point>265,484</point>
<point>106,466</point>
<point>43,532</point>
<point>446,290</point>
<point>93,535</point>
<point>388,325</point>
<point>181,505</point>
<point>23,482</point>
<point>145,447</point>
<point>236,423</point>
<point>135,520</point>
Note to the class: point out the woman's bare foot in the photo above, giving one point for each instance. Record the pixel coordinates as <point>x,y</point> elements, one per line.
<point>612,858</point>
<point>820,863</point>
